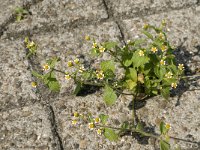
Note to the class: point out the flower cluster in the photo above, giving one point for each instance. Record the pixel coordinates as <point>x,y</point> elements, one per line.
<point>93,123</point>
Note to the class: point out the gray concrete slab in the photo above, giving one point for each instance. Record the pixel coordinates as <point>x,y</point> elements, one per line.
<point>134,8</point>
<point>69,44</point>
<point>184,118</point>
<point>27,128</point>
<point>80,136</point>
<point>7,9</point>
<point>60,13</point>
<point>15,84</point>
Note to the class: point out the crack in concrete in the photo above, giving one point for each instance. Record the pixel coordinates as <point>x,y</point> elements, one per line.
<point>11,19</point>
<point>45,101</point>
<point>85,22</point>
<point>54,128</point>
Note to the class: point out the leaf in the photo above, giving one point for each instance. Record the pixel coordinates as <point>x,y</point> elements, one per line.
<point>133,74</point>
<point>108,65</point>
<point>51,82</point>
<point>109,96</point>
<point>52,62</point>
<point>110,134</point>
<point>109,45</point>
<point>54,86</point>
<point>131,84</point>
<point>139,60</point>
<point>37,75</point>
<point>139,42</point>
<point>78,88</point>
<point>127,59</point>
<point>149,35</point>
<point>163,129</point>
<point>164,145</point>
<point>125,125</point>
<point>94,52</point>
<point>165,92</point>
<point>103,118</point>
<point>139,126</point>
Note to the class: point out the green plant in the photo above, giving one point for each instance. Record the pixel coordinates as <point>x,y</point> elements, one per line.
<point>148,68</point>
<point>31,47</point>
<point>20,13</point>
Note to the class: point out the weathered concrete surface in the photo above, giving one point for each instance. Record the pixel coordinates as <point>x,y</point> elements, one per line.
<point>59,28</point>
<point>48,14</point>
<point>7,9</point>
<point>27,128</point>
<point>15,79</point>
<point>80,136</point>
<point>131,9</point>
<point>184,118</point>
<point>69,44</point>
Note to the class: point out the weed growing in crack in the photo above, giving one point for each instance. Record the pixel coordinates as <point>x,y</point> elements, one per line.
<point>149,69</point>
<point>20,13</point>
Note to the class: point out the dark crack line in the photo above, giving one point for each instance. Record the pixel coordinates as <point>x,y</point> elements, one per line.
<point>86,22</point>
<point>54,128</point>
<point>12,18</point>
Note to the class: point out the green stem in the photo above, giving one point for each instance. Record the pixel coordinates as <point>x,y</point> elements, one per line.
<point>132,130</point>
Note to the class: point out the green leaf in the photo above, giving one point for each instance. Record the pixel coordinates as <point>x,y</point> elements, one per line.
<point>94,52</point>
<point>52,62</point>
<point>164,145</point>
<point>165,92</point>
<point>139,126</point>
<point>109,96</point>
<point>110,134</point>
<point>139,60</point>
<point>18,18</point>
<point>109,45</point>
<point>108,65</point>
<point>125,125</point>
<point>131,84</point>
<point>54,86</point>
<point>149,35</point>
<point>163,129</point>
<point>78,88</point>
<point>138,42</point>
<point>133,74</point>
<point>51,81</point>
<point>37,75</point>
<point>127,59</point>
<point>103,118</point>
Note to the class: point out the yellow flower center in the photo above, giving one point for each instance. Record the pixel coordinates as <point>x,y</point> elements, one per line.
<point>163,47</point>
<point>69,63</point>
<point>46,67</point>
<point>34,84</point>
<point>154,49</point>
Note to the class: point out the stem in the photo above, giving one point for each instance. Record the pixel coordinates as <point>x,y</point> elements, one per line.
<point>133,108</point>
<point>132,130</point>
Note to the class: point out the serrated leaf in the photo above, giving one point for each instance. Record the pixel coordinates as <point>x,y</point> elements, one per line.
<point>109,96</point>
<point>110,134</point>
<point>149,35</point>
<point>164,145</point>
<point>108,65</point>
<point>37,75</point>
<point>103,118</point>
<point>78,88</point>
